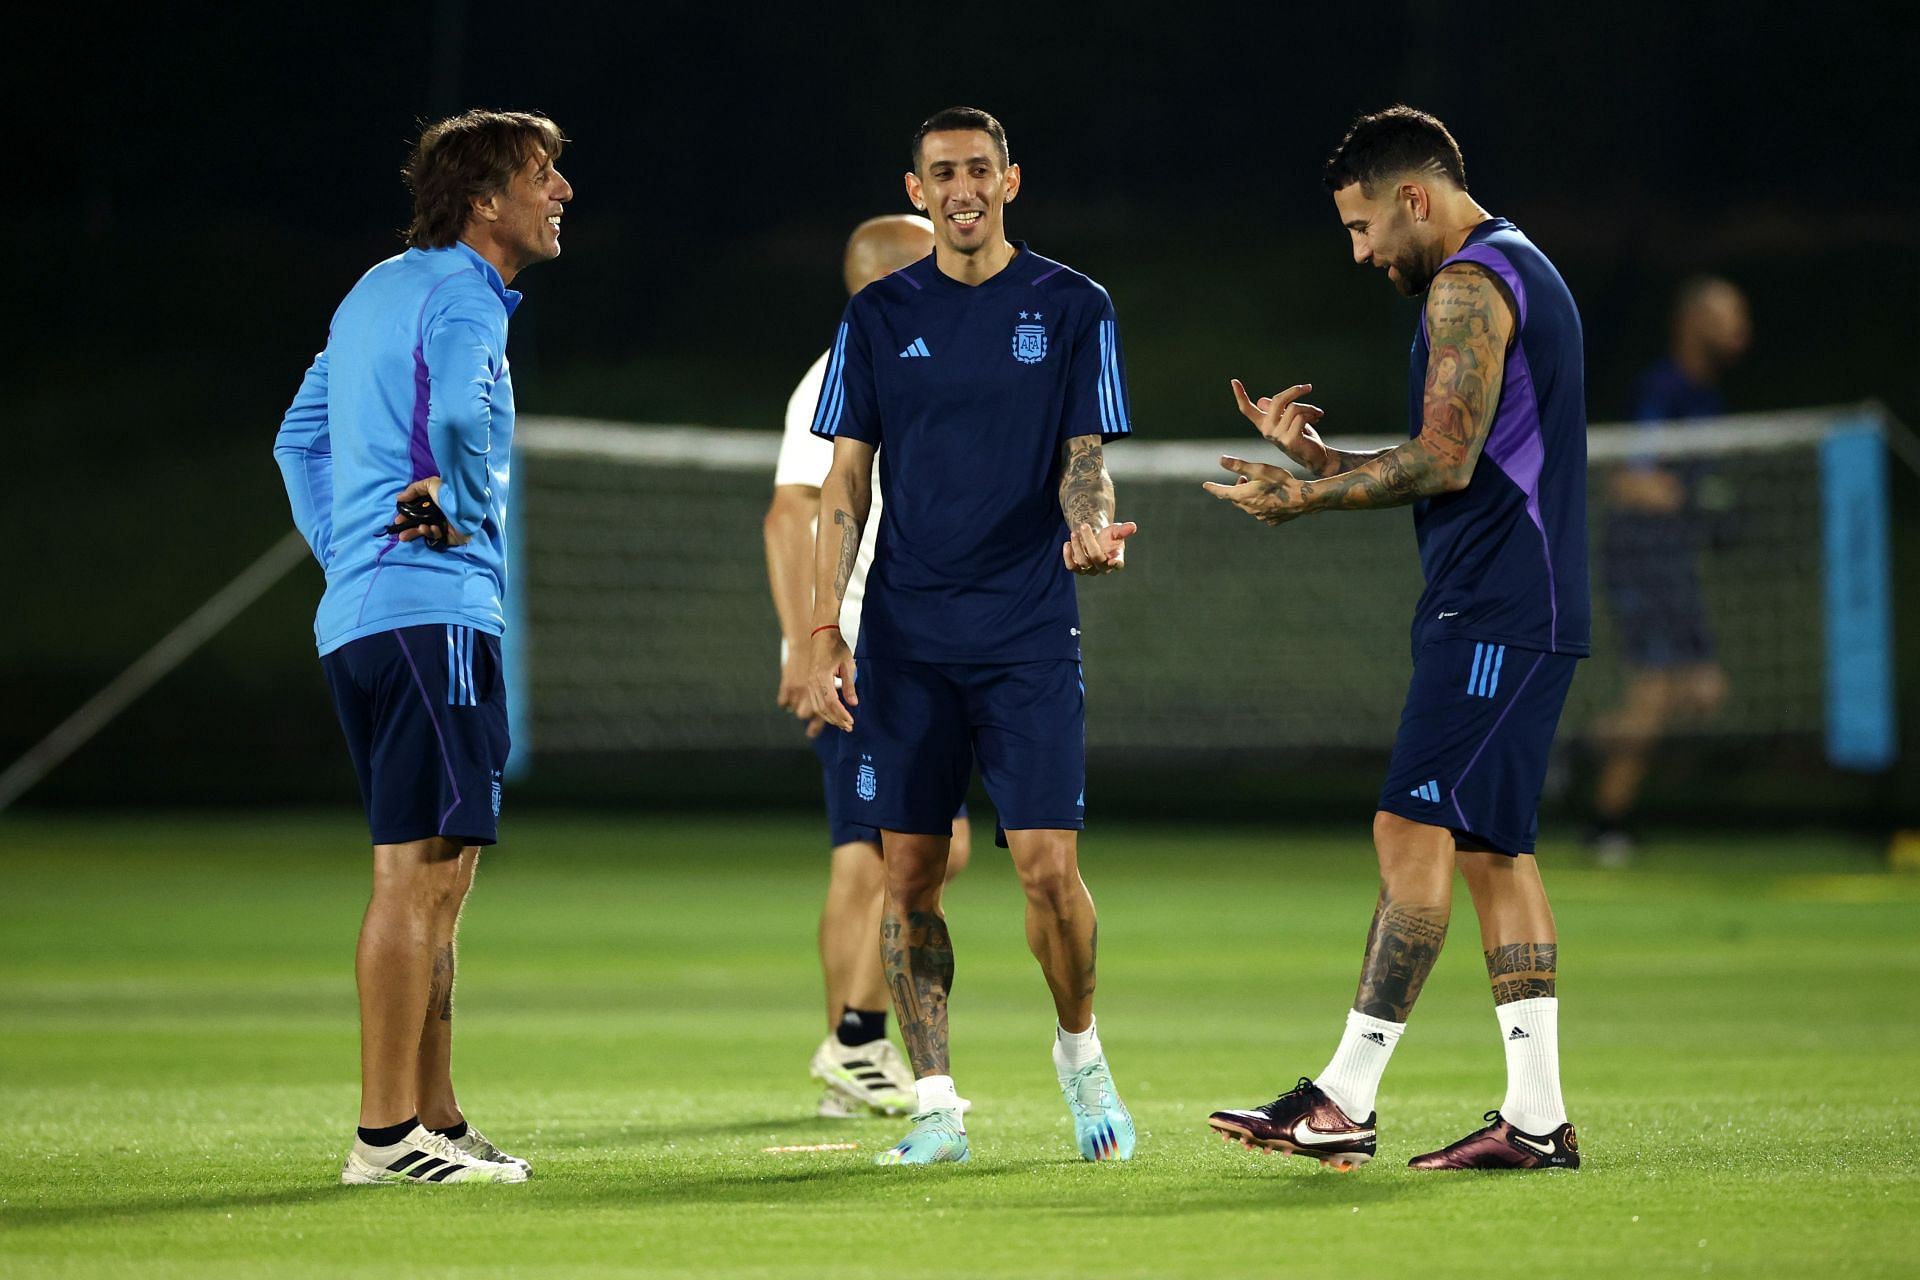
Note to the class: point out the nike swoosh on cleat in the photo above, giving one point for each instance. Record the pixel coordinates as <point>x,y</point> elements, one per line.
<point>1529,1142</point>
<point>1307,1136</point>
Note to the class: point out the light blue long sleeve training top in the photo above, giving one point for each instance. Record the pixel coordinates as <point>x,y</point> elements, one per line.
<point>413,382</point>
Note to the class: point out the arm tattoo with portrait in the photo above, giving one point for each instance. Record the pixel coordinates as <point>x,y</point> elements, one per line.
<point>1086,490</point>
<point>1468,323</point>
<point>917,955</point>
<point>1402,945</point>
<point>1522,970</point>
<point>849,526</point>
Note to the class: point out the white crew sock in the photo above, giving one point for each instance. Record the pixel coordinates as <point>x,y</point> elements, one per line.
<point>936,1093</point>
<point>1073,1050</point>
<point>1352,1079</point>
<point>1530,1030</point>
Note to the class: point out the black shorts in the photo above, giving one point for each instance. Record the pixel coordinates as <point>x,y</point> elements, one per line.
<point>1471,754</point>
<point>424,710</point>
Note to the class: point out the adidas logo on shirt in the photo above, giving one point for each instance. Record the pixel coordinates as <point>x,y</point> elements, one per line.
<point>918,348</point>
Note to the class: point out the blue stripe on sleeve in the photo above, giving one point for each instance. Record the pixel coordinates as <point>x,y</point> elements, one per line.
<point>826,418</point>
<point>1110,350</point>
<point>1105,388</point>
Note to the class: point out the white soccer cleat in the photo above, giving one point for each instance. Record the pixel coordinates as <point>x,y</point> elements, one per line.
<point>477,1145</point>
<point>872,1075</point>
<point>835,1105</point>
<point>420,1157</point>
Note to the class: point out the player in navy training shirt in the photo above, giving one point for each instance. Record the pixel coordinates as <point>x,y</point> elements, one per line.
<point>1658,520</point>
<point>1496,472</point>
<point>987,378</point>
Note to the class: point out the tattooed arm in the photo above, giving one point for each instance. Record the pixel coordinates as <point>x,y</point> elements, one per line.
<point>846,499</point>
<point>1470,323</point>
<point>1096,544</point>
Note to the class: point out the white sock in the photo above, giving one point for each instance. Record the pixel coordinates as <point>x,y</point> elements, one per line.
<point>1073,1050</point>
<point>1530,1030</point>
<point>936,1093</point>
<point>1352,1079</point>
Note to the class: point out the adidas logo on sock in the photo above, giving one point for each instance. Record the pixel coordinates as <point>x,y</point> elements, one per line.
<point>1518,1034</point>
<point>917,348</point>
<point>1375,1037</point>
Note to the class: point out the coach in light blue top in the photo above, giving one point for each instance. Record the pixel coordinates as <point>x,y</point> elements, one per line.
<point>414,382</point>
<point>411,402</point>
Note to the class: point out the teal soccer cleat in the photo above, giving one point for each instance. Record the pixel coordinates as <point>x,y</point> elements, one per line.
<point>1102,1128</point>
<point>937,1137</point>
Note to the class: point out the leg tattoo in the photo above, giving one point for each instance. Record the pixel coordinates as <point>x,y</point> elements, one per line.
<point>1402,945</point>
<point>918,958</point>
<point>440,985</point>
<point>1522,970</point>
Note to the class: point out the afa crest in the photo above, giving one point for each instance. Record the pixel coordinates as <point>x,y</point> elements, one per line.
<point>1029,343</point>
<point>865,782</point>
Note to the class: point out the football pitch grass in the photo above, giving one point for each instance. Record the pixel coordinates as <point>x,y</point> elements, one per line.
<point>638,999</point>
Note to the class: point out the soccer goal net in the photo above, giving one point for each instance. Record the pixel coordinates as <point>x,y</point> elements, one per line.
<point>648,627</point>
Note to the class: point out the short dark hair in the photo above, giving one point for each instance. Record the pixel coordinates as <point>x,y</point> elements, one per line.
<point>469,157</point>
<point>1392,142</point>
<point>958,119</point>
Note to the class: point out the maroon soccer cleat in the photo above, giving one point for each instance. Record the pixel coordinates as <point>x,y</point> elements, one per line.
<point>1501,1146</point>
<point>1301,1122</point>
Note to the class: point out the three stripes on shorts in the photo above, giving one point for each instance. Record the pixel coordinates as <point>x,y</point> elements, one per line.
<point>460,688</point>
<point>1487,659</point>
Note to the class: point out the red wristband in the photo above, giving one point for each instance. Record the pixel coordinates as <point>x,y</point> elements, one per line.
<point>831,626</point>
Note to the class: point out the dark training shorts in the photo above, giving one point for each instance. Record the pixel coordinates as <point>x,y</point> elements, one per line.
<point>424,710</point>
<point>921,726</point>
<point>833,749</point>
<point>1471,754</point>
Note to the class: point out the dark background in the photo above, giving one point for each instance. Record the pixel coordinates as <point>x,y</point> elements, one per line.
<point>194,195</point>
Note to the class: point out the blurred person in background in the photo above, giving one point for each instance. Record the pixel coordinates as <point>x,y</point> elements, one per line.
<point>412,402</point>
<point>859,1068</point>
<point>1659,517</point>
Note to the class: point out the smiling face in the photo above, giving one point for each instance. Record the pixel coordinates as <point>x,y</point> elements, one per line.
<point>523,219</point>
<point>963,186</point>
<point>1389,231</point>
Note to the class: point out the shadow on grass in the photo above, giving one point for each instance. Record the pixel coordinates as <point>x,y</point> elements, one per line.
<point>17,1218</point>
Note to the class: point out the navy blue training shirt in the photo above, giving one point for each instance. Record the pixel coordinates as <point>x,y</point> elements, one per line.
<point>969,392</point>
<point>1506,557</point>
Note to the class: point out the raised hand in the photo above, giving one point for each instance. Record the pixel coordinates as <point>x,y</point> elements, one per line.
<point>1287,421</point>
<point>1269,494</point>
<point>1094,552</point>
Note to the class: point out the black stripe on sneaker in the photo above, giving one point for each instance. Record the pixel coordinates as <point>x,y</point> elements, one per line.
<point>443,1174</point>
<point>412,1157</point>
<point>427,1166</point>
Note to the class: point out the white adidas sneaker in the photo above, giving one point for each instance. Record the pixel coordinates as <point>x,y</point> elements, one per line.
<point>872,1075</point>
<point>477,1145</point>
<point>423,1156</point>
<point>865,1077</point>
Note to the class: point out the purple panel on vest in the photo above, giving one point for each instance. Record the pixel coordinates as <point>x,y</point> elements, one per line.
<point>1496,262</point>
<point>1517,446</point>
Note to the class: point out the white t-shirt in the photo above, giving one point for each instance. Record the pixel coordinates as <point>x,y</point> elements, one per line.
<point>805,459</point>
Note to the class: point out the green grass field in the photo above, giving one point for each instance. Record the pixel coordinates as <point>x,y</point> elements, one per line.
<point>638,1000</point>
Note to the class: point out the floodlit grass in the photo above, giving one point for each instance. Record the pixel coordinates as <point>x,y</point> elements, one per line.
<point>638,1000</point>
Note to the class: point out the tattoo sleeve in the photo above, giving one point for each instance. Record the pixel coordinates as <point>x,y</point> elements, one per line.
<point>917,954</point>
<point>1402,945</point>
<point>1469,321</point>
<point>1086,490</point>
<point>1522,970</point>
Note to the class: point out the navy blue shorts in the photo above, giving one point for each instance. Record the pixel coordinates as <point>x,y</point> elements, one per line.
<point>832,747</point>
<point>1471,754</point>
<point>921,726</point>
<point>425,714</point>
